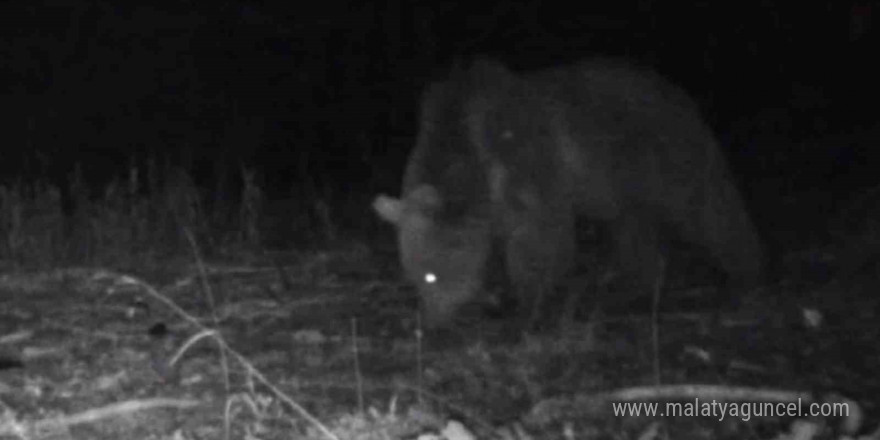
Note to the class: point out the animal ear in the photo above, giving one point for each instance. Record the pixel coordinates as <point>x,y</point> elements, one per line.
<point>490,68</point>
<point>388,208</point>
<point>489,74</point>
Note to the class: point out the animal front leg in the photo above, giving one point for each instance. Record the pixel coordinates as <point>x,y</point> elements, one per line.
<point>538,252</point>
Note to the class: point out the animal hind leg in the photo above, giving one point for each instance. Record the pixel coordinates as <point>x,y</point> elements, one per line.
<point>638,253</point>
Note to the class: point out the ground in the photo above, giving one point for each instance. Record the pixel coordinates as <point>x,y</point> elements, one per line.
<point>324,344</point>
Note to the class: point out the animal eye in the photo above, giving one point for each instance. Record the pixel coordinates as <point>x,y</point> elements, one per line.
<point>430,278</point>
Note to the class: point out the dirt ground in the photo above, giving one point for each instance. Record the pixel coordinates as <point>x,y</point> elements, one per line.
<point>326,345</point>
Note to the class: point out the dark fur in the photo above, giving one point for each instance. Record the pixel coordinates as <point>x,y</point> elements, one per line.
<point>508,162</point>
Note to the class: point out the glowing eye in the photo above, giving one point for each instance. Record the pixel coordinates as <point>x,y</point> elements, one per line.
<point>430,278</point>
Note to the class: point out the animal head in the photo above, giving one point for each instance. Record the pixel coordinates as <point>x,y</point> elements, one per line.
<point>443,260</point>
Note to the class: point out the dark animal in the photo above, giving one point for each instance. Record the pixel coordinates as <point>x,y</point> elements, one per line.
<point>505,163</point>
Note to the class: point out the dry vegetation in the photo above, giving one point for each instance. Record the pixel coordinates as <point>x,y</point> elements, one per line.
<point>153,309</point>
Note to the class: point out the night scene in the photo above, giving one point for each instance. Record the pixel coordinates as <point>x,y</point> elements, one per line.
<point>440,220</point>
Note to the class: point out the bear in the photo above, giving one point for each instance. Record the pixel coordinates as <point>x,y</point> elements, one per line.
<point>505,163</point>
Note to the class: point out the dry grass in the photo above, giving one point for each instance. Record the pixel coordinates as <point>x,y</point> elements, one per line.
<point>151,309</point>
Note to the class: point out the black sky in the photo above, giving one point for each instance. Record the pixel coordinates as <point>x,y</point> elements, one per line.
<point>326,92</point>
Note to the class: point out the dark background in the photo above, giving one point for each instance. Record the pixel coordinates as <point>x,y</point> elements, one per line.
<point>323,95</point>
